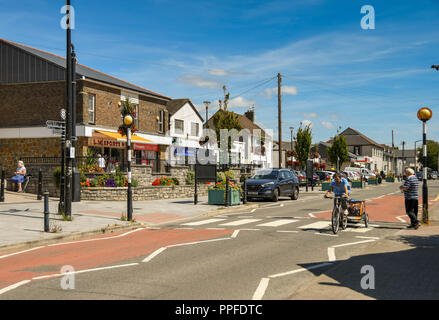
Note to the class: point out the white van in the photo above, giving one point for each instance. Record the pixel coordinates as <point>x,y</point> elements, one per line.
<point>364,171</point>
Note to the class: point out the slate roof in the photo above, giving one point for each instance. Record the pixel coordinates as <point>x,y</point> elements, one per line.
<point>176,104</point>
<point>83,71</point>
<point>243,121</point>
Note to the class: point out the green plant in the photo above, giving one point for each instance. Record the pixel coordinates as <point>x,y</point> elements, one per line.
<point>123,217</point>
<point>303,141</point>
<point>338,152</point>
<point>134,183</point>
<point>190,177</point>
<point>67,218</point>
<point>94,183</point>
<point>176,182</point>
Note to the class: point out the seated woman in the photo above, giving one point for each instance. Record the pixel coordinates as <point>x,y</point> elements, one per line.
<point>19,176</point>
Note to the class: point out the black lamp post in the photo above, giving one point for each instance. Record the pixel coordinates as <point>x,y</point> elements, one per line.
<point>128,122</point>
<point>291,129</point>
<point>424,114</point>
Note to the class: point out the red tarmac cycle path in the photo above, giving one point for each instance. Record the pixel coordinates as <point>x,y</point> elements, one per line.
<point>93,254</point>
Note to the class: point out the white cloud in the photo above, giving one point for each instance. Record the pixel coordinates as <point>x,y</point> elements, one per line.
<point>198,81</point>
<point>310,115</point>
<point>240,102</point>
<point>306,123</point>
<point>286,90</point>
<point>218,72</point>
<point>327,125</point>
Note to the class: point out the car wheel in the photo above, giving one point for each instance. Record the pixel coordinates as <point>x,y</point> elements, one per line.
<point>275,196</point>
<point>295,194</point>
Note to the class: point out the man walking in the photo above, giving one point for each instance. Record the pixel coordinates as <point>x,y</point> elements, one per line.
<point>410,189</point>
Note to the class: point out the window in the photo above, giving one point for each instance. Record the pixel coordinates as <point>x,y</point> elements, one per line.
<point>91,108</point>
<point>194,129</point>
<point>179,126</point>
<point>161,121</point>
<point>357,150</point>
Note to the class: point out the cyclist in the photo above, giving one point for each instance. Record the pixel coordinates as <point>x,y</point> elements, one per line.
<point>340,186</point>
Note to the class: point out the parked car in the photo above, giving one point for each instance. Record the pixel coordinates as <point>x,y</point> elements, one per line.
<point>323,176</point>
<point>419,175</point>
<point>272,184</point>
<point>432,175</point>
<point>301,177</point>
<point>315,178</point>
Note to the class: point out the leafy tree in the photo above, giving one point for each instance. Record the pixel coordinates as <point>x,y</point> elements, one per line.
<point>339,149</point>
<point>224,119</point>
<point>303,140</point>
<point>432,154</point>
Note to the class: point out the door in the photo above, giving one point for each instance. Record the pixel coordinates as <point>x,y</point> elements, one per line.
<point>284,183</point>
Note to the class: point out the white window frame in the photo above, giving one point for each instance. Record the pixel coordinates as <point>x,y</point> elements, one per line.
<point>197,126</point>
<point>161,122</point>
<point>92,121</point>
<point>177,130</point>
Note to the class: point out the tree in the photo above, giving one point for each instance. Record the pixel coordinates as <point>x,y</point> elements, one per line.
<point>224,119</point>
<point>432,154</point>
<point>338,152</point>
<point>303,140</point>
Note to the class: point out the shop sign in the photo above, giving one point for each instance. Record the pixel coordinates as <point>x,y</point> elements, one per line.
<point>107,143</point>
<point>145,147</point>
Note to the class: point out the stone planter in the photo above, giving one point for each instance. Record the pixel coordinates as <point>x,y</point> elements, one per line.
<point>216,196</point>
<point>325,186</point>
<point>372,181</point>
<point>390,179</point>
<point>358,184</point>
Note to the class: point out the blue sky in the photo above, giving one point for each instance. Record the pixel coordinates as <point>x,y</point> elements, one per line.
<point>334,72</point>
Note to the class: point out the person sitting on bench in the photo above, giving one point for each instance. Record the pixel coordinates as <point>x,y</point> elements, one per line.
<point>18,177</point>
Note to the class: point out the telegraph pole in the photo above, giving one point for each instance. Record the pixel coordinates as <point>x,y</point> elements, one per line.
<point>279,112</point>
<point>73,108</point>
<point>68,191</point>
<point>403,158</point>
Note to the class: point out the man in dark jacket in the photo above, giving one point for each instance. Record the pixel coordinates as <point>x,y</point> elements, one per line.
<point>410,189</point>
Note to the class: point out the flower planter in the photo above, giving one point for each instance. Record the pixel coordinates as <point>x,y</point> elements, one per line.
<point>372,181</point>
<point>390,179</point>
<point>325,186</point>
<point>217,196</point>
<point>358,184</point>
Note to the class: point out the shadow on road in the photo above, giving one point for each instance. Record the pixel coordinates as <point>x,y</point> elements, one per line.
<point>408,274</point>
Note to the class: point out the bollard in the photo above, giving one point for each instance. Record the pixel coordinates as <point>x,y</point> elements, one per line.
<point>2,194</point>
<point>244,199</point>
<point>227,191</point>
<point>46,211</point>
<point>40,185</point>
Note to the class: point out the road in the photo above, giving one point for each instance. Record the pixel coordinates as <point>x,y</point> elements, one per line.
<point>266,253</point>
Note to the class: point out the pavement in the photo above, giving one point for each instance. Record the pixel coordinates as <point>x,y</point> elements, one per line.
<point>401,266</point>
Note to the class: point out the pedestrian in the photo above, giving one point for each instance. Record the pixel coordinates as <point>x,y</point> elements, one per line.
<point>18,177</point>
<point>410,189</point>
<point>101,162</point>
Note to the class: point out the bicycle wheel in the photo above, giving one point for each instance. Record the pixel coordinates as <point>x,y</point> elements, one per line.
<point>335,220</point>
<point>366,219</point>
<point>343,221</point>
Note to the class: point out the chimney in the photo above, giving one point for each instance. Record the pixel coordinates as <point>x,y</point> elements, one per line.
<point>250,114</point>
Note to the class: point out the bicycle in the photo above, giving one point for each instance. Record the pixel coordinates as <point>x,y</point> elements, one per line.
<point>338,218</point>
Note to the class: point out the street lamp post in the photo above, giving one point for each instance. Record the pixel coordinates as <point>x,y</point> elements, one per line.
<point>424,114</point>
<point>128,121</point>
<point>416,156</point>
<point>291,147</point>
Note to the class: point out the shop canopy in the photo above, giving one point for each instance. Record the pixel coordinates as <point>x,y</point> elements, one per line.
<point>119,137</point>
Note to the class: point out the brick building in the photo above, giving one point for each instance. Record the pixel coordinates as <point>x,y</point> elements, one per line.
<point>33,90</point>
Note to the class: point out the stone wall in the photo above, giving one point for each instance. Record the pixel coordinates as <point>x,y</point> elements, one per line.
<point>142,193</point>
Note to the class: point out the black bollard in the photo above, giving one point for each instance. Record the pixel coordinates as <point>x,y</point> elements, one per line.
<point>244,199</point>
<point>40,185</point>
<point>227,191</point>
<point>46,211</point>
<point>2,193</point>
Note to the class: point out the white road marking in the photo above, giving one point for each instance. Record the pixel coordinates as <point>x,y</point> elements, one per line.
<point>107,238</point>
<point>316,225</point>
<point>287,231</point>
<point>196,242</point>
<point>253,210</point>
<point>13,254</point>
<point>361,237</point>
<point>277,223</point>
<point>215,228</point>
<point>401,219</point>
<point>13,286</point>
<point>311,215</point>
<point>331,250</point>
<point>357,229</point>
<point>325,234</point>
<point>235,234</point>
<point>260,291</point>
<point>300,270</point>
<point>152,255</point>
<point>249,229</point>
<point>84,271</point>
<point>199,223</point>
<point>239,222</point>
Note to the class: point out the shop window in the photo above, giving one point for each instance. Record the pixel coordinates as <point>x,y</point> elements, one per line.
<point>91,108</point>
<point>194,129</point>
<point>179,126</point>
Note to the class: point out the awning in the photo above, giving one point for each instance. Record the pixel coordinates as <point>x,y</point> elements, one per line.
<point>119,137</point>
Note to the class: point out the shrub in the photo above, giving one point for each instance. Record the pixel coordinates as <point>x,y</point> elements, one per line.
<point>57,176</point>
<point>134,183</point>
<point>93,183</point>
<point>190,177</point>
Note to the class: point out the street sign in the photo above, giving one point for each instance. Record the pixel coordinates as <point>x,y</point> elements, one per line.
<point>62,113</point>
<point>58,131</point>
<point>205,172</point>
<point>53,124</point>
